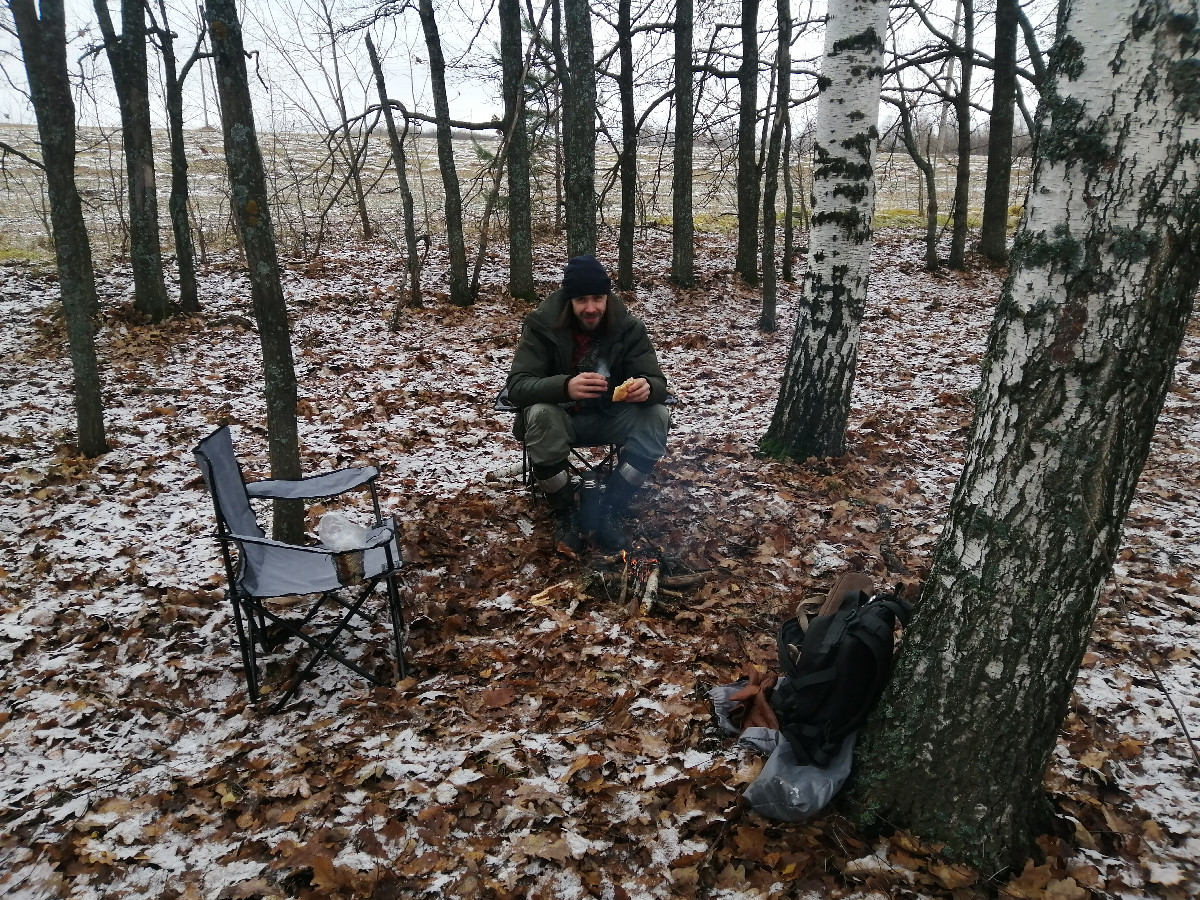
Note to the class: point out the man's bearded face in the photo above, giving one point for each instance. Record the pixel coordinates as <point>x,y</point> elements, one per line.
<point>589,310</point>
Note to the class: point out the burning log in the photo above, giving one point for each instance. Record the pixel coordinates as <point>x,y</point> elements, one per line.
<point>643,576</point>
<point>651,592</point>
<point>682,582</point>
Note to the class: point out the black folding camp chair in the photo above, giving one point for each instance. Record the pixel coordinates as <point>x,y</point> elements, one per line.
<point>593,461</point>
<point>259,569</point>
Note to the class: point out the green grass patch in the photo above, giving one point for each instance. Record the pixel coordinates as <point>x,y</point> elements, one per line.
<point>35,253</point>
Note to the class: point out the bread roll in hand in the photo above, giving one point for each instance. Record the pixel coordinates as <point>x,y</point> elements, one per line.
<point>622,390</point>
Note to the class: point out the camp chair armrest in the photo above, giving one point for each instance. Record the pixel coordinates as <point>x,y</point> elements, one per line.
<point>280,545</point>
<point>327,484</point>
<point>380,534</point>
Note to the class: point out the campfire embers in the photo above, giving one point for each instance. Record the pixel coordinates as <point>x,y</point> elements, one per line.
<point>639,578</point>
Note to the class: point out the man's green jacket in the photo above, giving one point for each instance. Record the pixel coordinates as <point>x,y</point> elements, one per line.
<point>541,366</point>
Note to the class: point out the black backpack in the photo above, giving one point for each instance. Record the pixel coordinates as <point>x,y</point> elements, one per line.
<point>844,661</point>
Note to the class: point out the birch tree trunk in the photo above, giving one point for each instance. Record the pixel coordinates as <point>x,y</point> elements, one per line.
<point>248,186</point>
<point>44,52</point>
<point>683,229</point>
<point>1080,356</point>
<point>814,399</point>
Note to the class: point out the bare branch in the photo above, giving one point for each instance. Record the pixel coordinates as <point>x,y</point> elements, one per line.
<point>9,148</point>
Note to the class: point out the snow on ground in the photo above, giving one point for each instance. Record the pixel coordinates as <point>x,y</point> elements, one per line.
<point>547,746</point>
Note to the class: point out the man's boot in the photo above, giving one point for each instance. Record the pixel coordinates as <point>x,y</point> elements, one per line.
<point>621,485</point>
<point>560,495</point>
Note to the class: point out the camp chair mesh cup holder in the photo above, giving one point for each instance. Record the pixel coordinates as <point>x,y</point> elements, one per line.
<point>259,569</point>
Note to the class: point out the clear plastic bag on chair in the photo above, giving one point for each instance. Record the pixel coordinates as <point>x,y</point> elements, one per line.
<point>339,533</point>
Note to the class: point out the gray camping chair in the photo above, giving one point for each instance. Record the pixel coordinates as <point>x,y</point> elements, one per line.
<point>259,569</point>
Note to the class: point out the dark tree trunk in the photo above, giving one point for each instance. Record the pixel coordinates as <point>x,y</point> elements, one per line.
<point>520,208</point>
<point>557,115</point>
<point>962,109</point>
<point>127,57</point>
<point>746,262</point>
<point>185,251</point>
<point>460,293</point>
<point>924,164</point>
<point>44,51</point>
<point>400,161</point>
<point>351,154</point>
<point>993,233</point>
<point>682,224</point>
<point>248,186</point>
<point>628,150</point>
<point>579,128</point>
<point>783,68</point>
<point>789,204</point>
<point>1080,357</point>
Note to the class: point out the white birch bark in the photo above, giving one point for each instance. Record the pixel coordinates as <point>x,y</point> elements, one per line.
<point>814,398</point>
<point>1104,272</point>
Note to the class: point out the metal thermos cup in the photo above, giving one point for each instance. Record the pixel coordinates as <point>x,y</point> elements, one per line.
<point>589,503</point>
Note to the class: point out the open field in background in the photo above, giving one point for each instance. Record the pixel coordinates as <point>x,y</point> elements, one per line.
<point>311,205</point>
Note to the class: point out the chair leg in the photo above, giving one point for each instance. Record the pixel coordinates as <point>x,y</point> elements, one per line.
<point>396,612</point>
<point>246,639</point>
<point>324,647</point>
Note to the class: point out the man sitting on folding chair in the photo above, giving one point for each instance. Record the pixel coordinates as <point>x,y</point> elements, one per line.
<point>577,349</point>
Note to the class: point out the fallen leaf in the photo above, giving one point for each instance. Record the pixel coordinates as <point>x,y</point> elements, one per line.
<point>953,877</point>
<point>498,697</point>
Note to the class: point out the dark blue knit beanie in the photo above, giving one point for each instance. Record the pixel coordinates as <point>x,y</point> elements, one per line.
<point>583,277</point>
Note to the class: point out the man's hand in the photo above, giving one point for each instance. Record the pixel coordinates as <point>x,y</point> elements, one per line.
<point>639,391</point>
<point>588,385</point>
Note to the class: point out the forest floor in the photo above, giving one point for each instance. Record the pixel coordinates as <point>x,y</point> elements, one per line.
<point>548,743</point>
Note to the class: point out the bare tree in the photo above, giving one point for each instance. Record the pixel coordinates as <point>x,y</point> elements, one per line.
<point>962,112</point>
<point>629,145</point>
<point>248,185</point>
<point>520,212</point>
<point>578,78</point>
<point>43,42</point>
<point>460,294</point>
<point>993,233</point>
<point>683,224</point>
<point>814,398</point>
<point>175,77</point>
<point>1079,360</point>
<point>746,262</point>
<point>127,57</point>
<point>783,68</point>
<point>399,160</point>
<point>924,164</point>
<point>350,154</point>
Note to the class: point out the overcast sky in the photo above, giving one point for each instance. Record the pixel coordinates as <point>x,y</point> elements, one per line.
<point>293,92</point>
<point>289,38</point>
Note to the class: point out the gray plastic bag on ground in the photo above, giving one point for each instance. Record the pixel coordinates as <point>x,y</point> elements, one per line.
<point>784,790</point>
<point>789,792</point>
